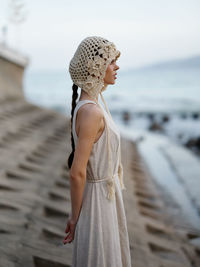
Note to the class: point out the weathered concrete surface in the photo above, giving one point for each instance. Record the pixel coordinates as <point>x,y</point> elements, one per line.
<point>12,67</point>
<point>35,197</point>
<point>187,167</point>
<point>34,186</point>
<point>153,239</point>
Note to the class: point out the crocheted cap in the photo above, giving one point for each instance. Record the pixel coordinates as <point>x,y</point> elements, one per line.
<point>88,66</point>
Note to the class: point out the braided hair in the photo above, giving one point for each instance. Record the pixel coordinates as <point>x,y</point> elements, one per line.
<point>74,98</point>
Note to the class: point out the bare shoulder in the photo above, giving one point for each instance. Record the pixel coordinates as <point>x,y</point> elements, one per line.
<point>89,121</point>
<point>90,112</point>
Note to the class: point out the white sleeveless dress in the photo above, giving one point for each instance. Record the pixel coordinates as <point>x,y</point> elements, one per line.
<point>101,235</point>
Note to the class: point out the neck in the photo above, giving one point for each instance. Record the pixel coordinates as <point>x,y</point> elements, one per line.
<point>84,96</point>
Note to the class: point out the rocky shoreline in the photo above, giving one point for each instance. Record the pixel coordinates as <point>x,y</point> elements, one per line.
<point>182,127</point>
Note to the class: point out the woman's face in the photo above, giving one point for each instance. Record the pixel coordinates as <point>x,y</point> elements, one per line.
<point>110,75</point>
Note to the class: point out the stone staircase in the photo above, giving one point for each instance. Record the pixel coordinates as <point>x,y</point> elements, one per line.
<point>34,186</point>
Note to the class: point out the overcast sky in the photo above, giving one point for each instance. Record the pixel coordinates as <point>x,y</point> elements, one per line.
<point>145,31</point>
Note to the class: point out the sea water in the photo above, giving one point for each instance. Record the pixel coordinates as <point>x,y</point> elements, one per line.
<point>171,91</point>
<point>139,90</point>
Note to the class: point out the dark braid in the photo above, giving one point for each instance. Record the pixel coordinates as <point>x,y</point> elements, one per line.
<point>74,98</point>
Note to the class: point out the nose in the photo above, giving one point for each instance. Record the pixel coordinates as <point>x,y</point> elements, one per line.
<point>116,67</point>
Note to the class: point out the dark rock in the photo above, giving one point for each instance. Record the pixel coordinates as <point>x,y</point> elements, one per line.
<point>165,118</point>
<point>195,115</point>
<point>154,126</point>
<point>151,116</point>
<point>126,116</point>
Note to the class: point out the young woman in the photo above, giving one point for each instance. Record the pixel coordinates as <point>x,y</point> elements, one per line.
<point>97,224</point>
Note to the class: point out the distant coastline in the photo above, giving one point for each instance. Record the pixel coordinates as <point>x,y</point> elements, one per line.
<point>180,63</point>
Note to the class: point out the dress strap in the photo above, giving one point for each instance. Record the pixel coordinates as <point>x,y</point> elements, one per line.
<point>111,182</point>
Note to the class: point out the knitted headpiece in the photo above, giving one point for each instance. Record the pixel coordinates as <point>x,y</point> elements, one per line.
<point>88,66</point>
<point>87,69</point>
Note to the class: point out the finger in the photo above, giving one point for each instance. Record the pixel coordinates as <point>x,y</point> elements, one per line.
<point>67,241</point>
<point>67,228</point>
<point>69,238</point>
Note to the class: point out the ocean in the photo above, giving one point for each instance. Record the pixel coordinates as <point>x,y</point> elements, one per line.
<point>140,90</point>
<point>174,92</point>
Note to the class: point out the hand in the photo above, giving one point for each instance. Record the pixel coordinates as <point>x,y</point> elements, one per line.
<point>71,225</point>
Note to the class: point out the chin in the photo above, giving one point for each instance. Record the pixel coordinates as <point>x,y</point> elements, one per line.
<point>111,81</point>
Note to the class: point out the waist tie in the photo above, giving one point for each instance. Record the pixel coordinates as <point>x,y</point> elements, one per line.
<point>110,184</point>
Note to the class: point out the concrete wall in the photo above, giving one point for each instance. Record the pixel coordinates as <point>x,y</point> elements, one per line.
<point>12,66</point>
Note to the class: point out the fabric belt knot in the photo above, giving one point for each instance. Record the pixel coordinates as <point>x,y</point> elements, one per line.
<point>120,173</point>
<point>110,182</point>
<point>111,187</point>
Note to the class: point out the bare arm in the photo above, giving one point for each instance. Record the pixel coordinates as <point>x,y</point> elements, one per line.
<point>89,126</point>
<point>90,118</point>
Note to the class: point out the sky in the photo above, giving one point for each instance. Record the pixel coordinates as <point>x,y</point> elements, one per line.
<point>145,31</point>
